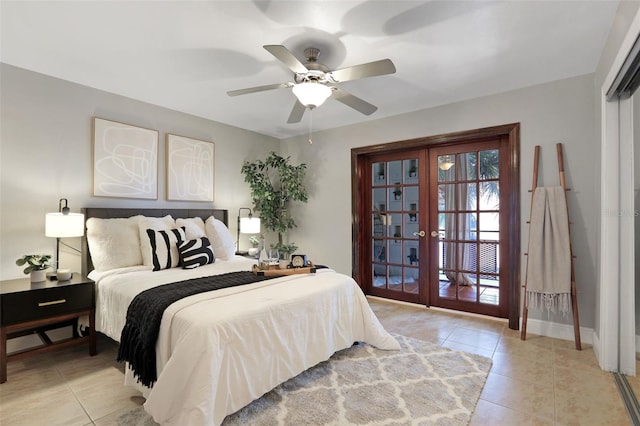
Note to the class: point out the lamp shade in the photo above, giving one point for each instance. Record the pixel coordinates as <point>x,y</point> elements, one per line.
<point>62,225</point>
<point>311,94</point>
<point>250,225</point>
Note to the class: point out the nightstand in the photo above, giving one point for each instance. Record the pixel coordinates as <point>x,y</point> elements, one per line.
<point>27,308</point>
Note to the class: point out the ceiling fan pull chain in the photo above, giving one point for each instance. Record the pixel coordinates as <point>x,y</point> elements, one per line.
<point>310,125</point>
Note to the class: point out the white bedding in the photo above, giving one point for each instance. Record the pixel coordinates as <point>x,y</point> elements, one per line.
<point>218,351</point>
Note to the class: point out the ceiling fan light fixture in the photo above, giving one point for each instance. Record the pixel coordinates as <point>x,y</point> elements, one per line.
<point>311,94</point>
<point>446,163</point>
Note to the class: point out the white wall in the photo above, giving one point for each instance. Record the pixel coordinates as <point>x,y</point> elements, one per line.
<point>46,154</point>
<point>561,111</point>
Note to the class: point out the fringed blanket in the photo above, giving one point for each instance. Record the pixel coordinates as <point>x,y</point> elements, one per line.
<point>549,258</point>
<point>139,335</point>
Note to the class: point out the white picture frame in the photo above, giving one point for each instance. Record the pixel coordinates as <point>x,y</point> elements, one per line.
<point>190,169</point>
<point>125,160</point>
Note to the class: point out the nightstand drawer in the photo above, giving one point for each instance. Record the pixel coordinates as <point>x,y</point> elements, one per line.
<point>44,303</point>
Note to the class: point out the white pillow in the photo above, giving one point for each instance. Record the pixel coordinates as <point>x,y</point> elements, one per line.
<point>194,227</point>
<point>114,243</point>
<point>221,240</point>
<point>157,224</point>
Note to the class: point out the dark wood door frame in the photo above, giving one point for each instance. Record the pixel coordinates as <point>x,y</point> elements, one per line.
<point>511,166</point>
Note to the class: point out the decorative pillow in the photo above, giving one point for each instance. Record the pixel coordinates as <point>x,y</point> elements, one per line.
<point>223,245</point>
<point>157,224</point>
<point>194,227</point>
<point>196,252</point>
<point>114,243</point>
<point>164,247</point>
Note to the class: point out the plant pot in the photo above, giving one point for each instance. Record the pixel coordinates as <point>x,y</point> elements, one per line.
<point>38,276</point>
<point>284,264</point>
<point>253,251</point>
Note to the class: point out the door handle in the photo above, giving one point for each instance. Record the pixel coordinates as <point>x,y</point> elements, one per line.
<point>419,234</point>
<point>434,234</point>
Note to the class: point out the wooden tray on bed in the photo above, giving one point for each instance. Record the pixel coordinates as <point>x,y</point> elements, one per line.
<point>276,272</point>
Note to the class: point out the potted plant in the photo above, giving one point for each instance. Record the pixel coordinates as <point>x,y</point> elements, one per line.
<point>397,192</point>
<point>37,264</point>
<point>255,242</point>
<point>285,251</point>
<point>275,183</point>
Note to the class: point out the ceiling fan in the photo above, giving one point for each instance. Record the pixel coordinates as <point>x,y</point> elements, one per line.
<point>314,82</point>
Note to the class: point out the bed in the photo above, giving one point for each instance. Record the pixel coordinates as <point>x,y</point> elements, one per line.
<point>217,351</point>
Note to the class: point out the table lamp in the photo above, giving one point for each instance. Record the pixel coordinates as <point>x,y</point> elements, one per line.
<point>63,224</point>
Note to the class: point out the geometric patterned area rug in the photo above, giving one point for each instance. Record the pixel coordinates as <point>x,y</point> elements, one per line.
<point>422,384</point>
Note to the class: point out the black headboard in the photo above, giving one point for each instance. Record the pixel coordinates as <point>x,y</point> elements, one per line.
<point>107,213</point>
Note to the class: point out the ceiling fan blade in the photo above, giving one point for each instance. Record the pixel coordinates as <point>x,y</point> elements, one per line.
<point>283,54</point>
<point>370,69</point>
<point>259,89</point>
<point>354,102</point>
<point>296,112</point>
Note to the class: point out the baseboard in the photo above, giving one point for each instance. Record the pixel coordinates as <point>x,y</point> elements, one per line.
<point>557,330</point>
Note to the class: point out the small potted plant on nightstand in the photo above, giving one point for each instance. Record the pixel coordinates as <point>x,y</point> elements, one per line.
<point>255,242</point>
<point>37,265</point>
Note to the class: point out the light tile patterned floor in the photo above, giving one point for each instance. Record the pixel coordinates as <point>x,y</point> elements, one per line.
<point>540,381</point>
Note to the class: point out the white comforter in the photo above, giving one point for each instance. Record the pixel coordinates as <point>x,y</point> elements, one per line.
<point>220,350</point>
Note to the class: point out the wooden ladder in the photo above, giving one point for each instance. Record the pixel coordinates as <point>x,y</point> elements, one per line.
<point>574,298</point>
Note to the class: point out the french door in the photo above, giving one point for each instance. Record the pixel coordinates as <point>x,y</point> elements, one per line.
<point>437,225</point>
<point>397,199</point>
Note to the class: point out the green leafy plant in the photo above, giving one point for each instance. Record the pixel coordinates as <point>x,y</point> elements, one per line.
<point>255,241</point>
<point>285,250</point>
<point>397,192</point>
<point>275,182</point>
<point>35,262</point>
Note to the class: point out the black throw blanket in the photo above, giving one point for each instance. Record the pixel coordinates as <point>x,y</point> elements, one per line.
<point>140,332</point>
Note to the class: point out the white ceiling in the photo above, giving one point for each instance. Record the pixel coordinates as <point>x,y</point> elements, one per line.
<point>185,55</point>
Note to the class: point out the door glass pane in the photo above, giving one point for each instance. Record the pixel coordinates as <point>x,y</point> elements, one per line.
<point>379,199</point>
<point>411,280</point>
<point>411,170</point>
<point>466,166</point>
<point>395,196</point>
<point>379,275</point>
<point>395,252</point>
<point>395,171</point>
<point>466,196</point>
<point>379,250</point>
<point>489,195</point>
<point>489,165</point>
<point>379,224</point>
<point>448,225</point>
<point>446,197</point>
<point>378,174</point>
<point>467,226</point>
<point>446,168</point>
<point>411,253</point>
<point>395,278</point>
<point>411,198</point>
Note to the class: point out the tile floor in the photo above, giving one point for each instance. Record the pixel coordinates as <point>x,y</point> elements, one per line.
<point>541,381</point>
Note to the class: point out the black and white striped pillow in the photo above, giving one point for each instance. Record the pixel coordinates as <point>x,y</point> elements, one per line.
<point>164,247</point>
<point>194,253</point>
